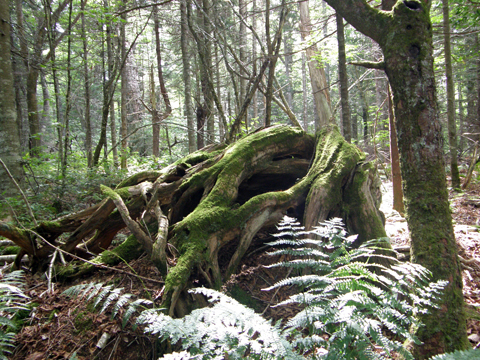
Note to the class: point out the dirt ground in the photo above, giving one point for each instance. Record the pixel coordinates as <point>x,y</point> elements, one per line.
<point>60,327</point>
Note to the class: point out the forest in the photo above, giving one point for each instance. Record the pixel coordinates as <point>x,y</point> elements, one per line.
<point>261,179</point>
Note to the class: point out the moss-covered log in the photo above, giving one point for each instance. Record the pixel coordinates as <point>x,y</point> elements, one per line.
<point>209,206</point>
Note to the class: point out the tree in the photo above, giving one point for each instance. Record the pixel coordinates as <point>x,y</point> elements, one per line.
<point>9,135</point>
<point>186,75</point>
<point>405,37</point>
<point>342,75</point>
<point>317,73</point>
<point>452,127</point>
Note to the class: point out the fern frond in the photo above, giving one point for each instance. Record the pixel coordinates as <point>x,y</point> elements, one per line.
<point>133,307</point>
<point>114,295</point>
<point>226,329</point>
<point>348,297</point>
<point>121,302</point>
<point>12,300</point>
<point>106,296</point>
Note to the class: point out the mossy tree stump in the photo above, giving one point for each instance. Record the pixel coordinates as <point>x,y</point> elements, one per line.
<point>204,211</point>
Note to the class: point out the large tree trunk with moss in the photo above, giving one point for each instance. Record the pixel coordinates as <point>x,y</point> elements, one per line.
<point>204,211</point>
<point>405,36</point>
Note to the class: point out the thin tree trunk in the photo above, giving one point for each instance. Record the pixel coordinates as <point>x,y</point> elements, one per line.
<point>207,78</point>
<point>102,142</point>
<point>395,160</point>
<point>320,91</point>
<point>452,126</point>
<point>242,43</point>
<point>254,58</point>
<point>186,76</point>
<point>123,92</point>
<point>477,47</point>
<point>68,101</point>
<point>288,58</point>
<point>88,125</point>
<point>364,107</point>
<point>342,75</point>
<point>46,121</point>
<point>155,117</point>
<point>9,135</point>
<point>56,85</point>
<point>461,118</point>
<point>304,92</point>
<point>113,134</point>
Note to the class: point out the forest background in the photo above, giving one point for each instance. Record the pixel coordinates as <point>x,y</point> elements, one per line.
<point>102,81</point>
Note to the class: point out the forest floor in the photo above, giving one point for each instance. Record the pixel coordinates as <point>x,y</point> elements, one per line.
<point>60,327</point>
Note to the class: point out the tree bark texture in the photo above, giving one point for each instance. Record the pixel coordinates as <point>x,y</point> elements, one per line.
<point>405,36</point>
<point>320,91</point>
<point>186,76</point>
<point>343,78</point>
<point>9,135</point>
<point>216,200</point>
<point>452,126</point>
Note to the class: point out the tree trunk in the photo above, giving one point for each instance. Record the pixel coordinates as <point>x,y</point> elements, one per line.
<point>88,125</point>
<point>9,135</point>
<point>320,91</point>
<point>186,76</point>
<point>35,138</point>
<point>217,200</point>
<point>123,93</point>
<point>395,160</point>
<point>452,126</point>
<point>343,78</point>
<point>304,92</point>
<point>242,44</point>
<point>405,36</point>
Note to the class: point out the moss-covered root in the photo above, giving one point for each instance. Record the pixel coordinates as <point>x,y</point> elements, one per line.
<point>127,251</point>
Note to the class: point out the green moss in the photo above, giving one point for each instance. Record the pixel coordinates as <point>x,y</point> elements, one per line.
<point>129,250</point>
<point>138,178</point>
<point>83,322</point>
<point>52,315</point>
<point>10,250</point>
<point>123,192</point>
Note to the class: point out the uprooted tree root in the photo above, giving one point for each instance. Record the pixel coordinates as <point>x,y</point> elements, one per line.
<point>197,217</point>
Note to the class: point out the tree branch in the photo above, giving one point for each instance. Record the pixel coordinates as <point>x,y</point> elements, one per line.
<point>380,65</point>
<point>369,21</point>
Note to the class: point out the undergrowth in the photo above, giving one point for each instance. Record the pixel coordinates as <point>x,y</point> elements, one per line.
<point>350,306</point>
<point>12,301</point>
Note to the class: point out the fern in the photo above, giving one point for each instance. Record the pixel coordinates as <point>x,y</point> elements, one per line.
<point>12,300</point>
<point>472,354</point>
<point>225,330</point>
<point>108,298</point>
<point>348,303</point>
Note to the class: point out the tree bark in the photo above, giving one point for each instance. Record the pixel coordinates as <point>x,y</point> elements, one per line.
<point>405,36</point>
<point>9,135</point>
<point>452,126</point>
<point>320,91</point>
<point>123,93</point>
<point>88,125</point>
<point>395,160</point>
<point>186,76</point>
<point>343,78</point>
